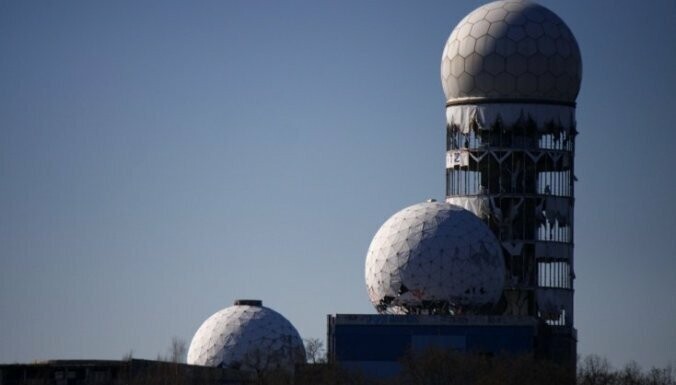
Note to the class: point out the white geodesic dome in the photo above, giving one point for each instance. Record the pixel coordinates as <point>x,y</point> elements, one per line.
<point>434,257</point>
<point>511,49</point>
<point>247,336</point>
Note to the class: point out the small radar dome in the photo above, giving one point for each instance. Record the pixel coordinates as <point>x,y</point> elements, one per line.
<point>434,257</point>
<point>247,336</point>
<point>511,49</point>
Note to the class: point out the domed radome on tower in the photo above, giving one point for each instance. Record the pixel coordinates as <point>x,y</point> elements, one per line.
<point>511,49</point>
<point>434,258</point>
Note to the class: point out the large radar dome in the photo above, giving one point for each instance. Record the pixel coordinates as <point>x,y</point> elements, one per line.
<point>511,49</point>
<point>247,336</point>
<point>434,258</point>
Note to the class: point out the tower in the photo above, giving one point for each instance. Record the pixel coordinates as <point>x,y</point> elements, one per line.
<point>511,71</point>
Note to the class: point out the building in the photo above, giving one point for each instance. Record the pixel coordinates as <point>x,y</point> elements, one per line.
<point>90,372</point>
<point>511,71</point>
<point>375,344</point>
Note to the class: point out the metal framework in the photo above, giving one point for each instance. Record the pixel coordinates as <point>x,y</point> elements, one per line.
<point>512,165</point>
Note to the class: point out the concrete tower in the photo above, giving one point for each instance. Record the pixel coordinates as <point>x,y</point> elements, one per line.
<point>511,72</point>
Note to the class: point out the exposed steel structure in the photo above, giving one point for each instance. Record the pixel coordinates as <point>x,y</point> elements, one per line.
<point>511,71</point>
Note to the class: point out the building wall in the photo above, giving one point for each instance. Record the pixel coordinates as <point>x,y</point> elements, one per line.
<point>375,344</point>
<point>90,372</point>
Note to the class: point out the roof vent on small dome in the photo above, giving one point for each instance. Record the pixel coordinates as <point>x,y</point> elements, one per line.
<point>248,302</point>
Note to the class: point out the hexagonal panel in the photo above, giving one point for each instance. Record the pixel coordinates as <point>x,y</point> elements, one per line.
<point>494,64</point>
<point>546,46</point>
<point>551,29</point>
<point>505,47</point>
<point>465,83</point>
<point>514,6</point>
<point>476,16</point>
<point>546,82</point>
<point>457,66</point>
<point>484,45</point>
<point>572,63</point>
<point>474,64</point>
<point>552,93</point>
<point>526,84</point>
<point>496,15</point>
<point>538,64</point>
<point>563,47</point>
<point>516,33</point>
<point>479,29</point>
<point>565,85</point>
<point>527,47</point>
<point>445,68</point>
<point>517,64</point>
<point>534,30</point>
<point>451,50</point>
<point>498,29</point>
<point>467,46</point>
<point>484,82</point>
<point>505,83</point>
<point>557,65</point>
<point>451,86</point>
<point>463,31</point>
<point>515,18</point>
<point>535,14</point>
<point>491,5</point>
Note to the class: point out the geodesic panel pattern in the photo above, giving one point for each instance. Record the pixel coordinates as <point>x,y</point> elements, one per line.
<point>247,337</point>
<point>511,49</point>
<point>434,252</point>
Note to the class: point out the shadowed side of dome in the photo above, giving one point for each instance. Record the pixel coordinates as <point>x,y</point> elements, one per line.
<point>514,50</point>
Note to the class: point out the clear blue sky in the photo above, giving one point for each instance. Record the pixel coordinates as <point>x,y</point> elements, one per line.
<point>160,159</point>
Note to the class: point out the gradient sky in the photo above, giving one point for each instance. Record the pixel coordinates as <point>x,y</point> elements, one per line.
<point>159,159</point>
